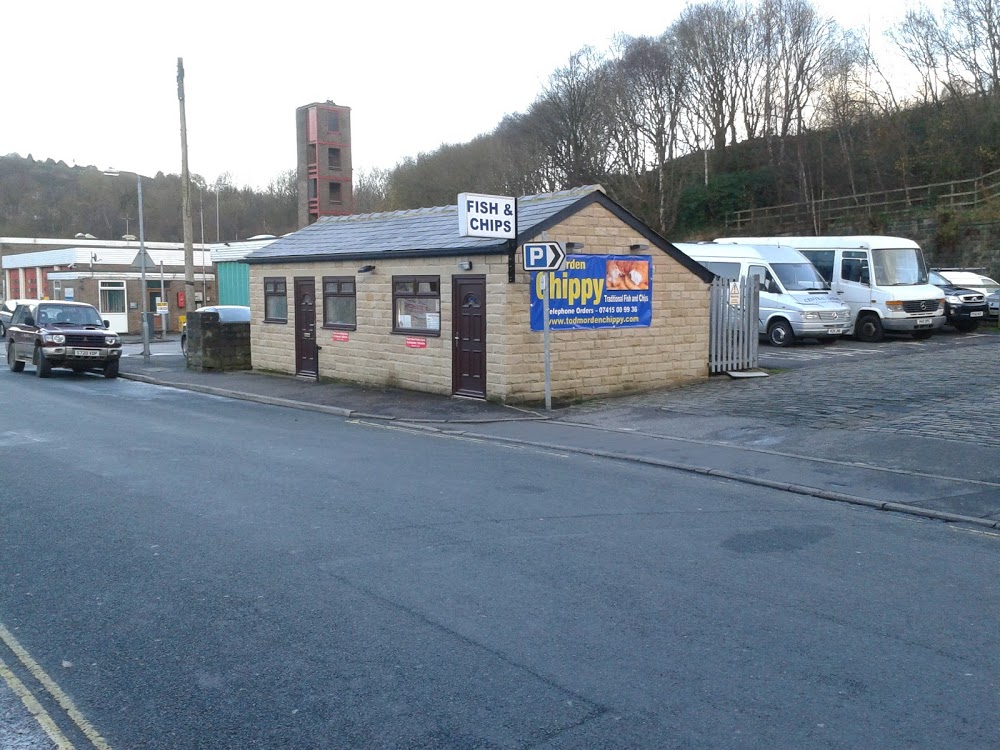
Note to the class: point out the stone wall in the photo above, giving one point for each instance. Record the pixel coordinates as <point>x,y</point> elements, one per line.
<point>947,240</point>
<point>212,345</point>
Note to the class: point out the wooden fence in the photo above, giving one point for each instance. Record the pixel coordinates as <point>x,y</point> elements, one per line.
<point>960,194</point>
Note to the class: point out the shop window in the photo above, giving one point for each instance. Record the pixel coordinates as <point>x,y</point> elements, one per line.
<point>340,303</point>
<point>416,304</point>
<point>275,300</point>
<point>336,193</point>
<point>333,160</point>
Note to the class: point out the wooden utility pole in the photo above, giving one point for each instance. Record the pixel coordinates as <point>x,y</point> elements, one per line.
<point>185,201</point>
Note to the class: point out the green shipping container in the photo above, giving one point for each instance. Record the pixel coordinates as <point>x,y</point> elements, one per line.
<point>234,283</point>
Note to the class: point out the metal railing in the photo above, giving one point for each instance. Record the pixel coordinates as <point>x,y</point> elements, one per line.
<point>733,336</point>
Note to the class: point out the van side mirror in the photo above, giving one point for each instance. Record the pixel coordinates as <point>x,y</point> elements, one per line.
<point>864,276</point>
<point>107,324</point>
<point>28,320</point>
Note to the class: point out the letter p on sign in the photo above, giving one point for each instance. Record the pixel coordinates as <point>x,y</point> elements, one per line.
<point>543,256</point>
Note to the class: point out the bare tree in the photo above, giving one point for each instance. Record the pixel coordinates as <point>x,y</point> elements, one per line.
<point>371,190</point>
<point>571,119</point>
<point>709,37</point>
<point>649,94</point>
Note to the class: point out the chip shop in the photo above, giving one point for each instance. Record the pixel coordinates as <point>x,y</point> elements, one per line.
<point>438,300</point>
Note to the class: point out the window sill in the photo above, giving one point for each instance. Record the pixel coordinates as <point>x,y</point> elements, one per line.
<point>416,332</point>
<point>283,321</point>
<point>332,327</point>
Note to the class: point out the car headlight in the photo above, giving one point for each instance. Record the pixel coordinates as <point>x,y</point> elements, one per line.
<point>111,340</point>
<point>953,300</point>
<point>55,338</point>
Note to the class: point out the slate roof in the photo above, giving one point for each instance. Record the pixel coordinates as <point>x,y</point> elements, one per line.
<point>430,232</point>
<point>234,251</point>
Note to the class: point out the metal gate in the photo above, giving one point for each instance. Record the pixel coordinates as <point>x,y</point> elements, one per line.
<point>733,325</point>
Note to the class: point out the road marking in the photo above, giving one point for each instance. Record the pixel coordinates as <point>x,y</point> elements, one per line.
<point>981,532</point>
<point>54,690</point>
<point>815,355</point>
<point>37,711</point>
<point>452,436</point>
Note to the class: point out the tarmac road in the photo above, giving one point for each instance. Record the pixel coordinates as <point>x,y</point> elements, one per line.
<point>211,573</point>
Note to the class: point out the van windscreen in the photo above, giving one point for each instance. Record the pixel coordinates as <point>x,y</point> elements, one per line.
<point>800,277</point>
<point>902,266</point>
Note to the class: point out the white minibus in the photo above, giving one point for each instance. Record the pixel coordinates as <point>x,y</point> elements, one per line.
<point>795,301</point>
<point>882,279</point>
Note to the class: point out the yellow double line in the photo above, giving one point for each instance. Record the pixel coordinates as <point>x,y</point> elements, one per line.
<point>37,710</point>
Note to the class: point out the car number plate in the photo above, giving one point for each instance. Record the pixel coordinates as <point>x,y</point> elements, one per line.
<point>977,314</point>
<point>87,352</point>
<point>925,322</point>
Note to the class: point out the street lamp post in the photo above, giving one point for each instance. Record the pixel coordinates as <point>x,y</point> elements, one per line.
<point>142,264</point>
<point>142,274</point>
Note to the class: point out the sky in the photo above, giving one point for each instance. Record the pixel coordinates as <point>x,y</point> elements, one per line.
<point>94,83</point>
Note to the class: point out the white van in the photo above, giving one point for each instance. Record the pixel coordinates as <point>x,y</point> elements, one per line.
<point>882,279</point>
<point>795,301</point>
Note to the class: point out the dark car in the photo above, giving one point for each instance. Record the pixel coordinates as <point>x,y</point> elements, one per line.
<point>69,335</point>
<point>7,311</point>
<point>964,308</point>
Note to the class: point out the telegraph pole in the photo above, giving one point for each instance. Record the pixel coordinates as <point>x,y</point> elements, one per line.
<point>185,200</point>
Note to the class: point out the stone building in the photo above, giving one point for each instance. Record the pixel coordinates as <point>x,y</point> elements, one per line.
<point>402,299</point>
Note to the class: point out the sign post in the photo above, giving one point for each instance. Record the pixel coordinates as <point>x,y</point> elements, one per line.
<point>543,257</point>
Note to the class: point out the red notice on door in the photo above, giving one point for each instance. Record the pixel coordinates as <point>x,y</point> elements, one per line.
<point>341,336</point>
<point>413,342</point>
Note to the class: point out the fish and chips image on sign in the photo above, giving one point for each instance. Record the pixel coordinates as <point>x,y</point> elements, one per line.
<point>627,274</point>
<point>595,291</point>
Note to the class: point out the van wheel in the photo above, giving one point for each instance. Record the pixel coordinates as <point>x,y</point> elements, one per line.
<point>780,333</point>
<point>13,363</point>
<point>869,329</point>
<point>967,326</point>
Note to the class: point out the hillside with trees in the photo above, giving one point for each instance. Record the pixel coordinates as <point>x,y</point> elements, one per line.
<point>736,105</point>
<point>51,199</point>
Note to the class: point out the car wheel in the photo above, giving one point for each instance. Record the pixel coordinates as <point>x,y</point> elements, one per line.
<point>780,333</point>
<point>12,362</point>
<point>869,329</point>
<point>922,335</point>
<point>111,369</point>
<point>42,367</point>
<point>184,345</point>
<point>2,330</point>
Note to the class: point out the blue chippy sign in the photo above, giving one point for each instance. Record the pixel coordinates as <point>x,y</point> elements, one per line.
<point>595,291</point>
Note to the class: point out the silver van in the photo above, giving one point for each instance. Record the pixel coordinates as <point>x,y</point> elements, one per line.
<point>795,301</point>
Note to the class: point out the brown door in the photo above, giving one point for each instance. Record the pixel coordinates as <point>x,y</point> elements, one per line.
<point>469,320</point>
<point>305,327</point>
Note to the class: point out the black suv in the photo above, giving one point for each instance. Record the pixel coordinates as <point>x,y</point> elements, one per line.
<point>963,308</point>
<point>61,334</point>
